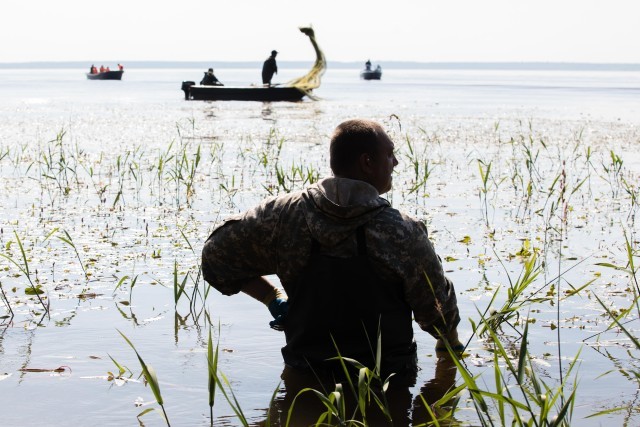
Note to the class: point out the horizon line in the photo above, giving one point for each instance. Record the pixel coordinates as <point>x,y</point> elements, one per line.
<point>536,65</point>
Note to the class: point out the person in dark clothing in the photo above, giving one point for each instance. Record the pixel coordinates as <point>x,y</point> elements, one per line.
<point>269,68</point>
<point>210,79</point>
<point>353,268</point>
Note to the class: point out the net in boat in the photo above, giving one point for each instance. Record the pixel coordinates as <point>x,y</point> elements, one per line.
<point>311,80</point>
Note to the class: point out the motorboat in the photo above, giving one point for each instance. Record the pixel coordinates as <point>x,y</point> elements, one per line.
<point>294,90</point>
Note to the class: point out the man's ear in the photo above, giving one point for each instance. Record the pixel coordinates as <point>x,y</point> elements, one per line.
<point>364,162</point>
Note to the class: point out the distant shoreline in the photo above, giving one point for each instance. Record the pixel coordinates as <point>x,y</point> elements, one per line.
<point>534,66</point>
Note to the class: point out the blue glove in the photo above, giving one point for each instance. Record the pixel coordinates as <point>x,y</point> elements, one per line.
<point>278,308</point>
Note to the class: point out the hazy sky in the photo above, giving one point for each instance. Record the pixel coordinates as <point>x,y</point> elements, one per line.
<point>347,30</point>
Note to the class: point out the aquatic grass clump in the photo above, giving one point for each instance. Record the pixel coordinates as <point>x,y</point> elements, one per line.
<point>297,177</point>
<point>58,164</point>
<point>535,404</point>
<point>34,287</point>
<point>368,391</point>
<point>422,165</point>
<point>629,268</point>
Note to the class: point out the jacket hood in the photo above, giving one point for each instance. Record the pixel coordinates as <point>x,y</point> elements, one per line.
<point>336,207</point>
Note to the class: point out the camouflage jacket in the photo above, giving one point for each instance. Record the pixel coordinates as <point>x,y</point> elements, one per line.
<point>276,238</point>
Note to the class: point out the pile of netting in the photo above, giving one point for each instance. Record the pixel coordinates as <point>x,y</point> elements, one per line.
<point>311,80</point>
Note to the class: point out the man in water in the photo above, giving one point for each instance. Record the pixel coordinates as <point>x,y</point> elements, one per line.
<point>210,79</point>
<point>353,268</point>
<point>269,68</point>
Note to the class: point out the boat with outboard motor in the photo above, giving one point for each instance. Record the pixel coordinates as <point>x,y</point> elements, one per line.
<point>294,90</point>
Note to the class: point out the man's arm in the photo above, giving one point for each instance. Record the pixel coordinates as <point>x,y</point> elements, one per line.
<point>429,293</point>
<point>262,290</point>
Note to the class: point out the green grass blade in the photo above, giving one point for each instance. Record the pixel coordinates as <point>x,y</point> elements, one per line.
<point>121,369</point>
<point>149,372</point>
<point>522,357</point>
<point>212,363</point>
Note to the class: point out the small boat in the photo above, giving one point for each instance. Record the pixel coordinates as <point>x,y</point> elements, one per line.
<point>106,75</point>
<point>293,91</point>
<point>369,74</point>
<point>248,93</point>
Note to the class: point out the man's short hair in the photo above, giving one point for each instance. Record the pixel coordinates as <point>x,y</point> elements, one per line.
<point>351,139</point>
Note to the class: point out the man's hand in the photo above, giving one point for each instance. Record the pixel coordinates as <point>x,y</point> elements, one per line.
<point>278,308</point>
<point>276,300</point>
<point>452,339</point>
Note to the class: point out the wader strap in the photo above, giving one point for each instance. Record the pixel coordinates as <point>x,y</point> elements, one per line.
<point>315,246</point>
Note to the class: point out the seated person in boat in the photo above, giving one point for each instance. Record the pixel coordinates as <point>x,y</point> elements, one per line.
<point>93,69</point>
<point>210,79</point>
<point>351,266</point>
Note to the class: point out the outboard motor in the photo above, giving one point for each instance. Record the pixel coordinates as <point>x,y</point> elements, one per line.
<point>186,88</point>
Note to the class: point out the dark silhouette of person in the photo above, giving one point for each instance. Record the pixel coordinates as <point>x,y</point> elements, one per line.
<point>367,65</point>
<point>352,268</point>
<point>269,68</point>
<point>210,79</point>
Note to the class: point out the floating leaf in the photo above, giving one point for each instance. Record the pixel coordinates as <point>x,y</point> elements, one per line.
<point>34,290</point>
<point>466,240</point>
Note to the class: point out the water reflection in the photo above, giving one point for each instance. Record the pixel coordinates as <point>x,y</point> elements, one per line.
<point>267,112</point>
<point>405,409</point>
<point>210,110</point>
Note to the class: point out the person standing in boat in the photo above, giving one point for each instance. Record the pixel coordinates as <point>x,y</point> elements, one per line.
<point>210,79</point>
<point>367,65</point>
<point>269,68</point>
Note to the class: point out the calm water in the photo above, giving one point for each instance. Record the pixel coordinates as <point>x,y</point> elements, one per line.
<point>128,219</point>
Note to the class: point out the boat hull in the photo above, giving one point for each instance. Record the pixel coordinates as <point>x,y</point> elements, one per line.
<point>106,75</point>
<point>371,74</point>
<point>249,93</point>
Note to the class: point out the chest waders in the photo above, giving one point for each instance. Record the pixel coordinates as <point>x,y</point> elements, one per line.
<point>341,305</point>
